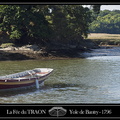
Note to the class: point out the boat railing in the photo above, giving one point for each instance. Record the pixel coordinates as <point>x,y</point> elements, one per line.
<point>30,74</point>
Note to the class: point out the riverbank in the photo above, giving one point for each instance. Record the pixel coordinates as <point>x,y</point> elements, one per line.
<point>59,51</point>
<point>53,51</point>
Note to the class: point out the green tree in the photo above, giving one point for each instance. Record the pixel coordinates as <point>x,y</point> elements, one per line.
<point>69,22</point>
<point>96,8</point>
<point>45,23</point>
<point>106,22</point>
<point>58,22</point>
<point>24,22</point>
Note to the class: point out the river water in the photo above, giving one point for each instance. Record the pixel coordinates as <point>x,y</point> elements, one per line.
<point>95,79</point>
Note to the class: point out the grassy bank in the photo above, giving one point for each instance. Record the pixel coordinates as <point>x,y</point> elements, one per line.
<point>104,38</point>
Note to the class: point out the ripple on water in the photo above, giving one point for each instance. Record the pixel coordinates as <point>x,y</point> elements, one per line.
<point>95,79</point>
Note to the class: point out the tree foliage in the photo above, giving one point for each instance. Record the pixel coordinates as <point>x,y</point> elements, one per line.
<point>96,8</point>
<point>107,22</point>
<point>43,23</point>
<point>24,22</point>
<point>69,22</point>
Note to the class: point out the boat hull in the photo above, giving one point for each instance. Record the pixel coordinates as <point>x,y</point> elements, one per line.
<point>10,86</point>
<point>18,83</point>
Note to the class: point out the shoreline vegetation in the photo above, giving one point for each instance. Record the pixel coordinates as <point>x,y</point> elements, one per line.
<point>9,51</point>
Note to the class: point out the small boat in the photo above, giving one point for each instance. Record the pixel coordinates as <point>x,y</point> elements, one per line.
<point>25,78</point>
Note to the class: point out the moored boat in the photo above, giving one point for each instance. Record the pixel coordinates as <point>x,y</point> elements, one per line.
<point>25,78</point>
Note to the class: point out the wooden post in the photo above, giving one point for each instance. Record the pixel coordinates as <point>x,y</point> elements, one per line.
<point>37,84</point>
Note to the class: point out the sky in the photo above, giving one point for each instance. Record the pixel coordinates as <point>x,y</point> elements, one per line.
<point>107,7</point>
<point>110,7</point>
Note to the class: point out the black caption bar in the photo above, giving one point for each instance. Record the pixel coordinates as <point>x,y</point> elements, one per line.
<point>58,111</point>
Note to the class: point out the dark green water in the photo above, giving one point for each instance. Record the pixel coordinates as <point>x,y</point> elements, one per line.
<point>95,79</point>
